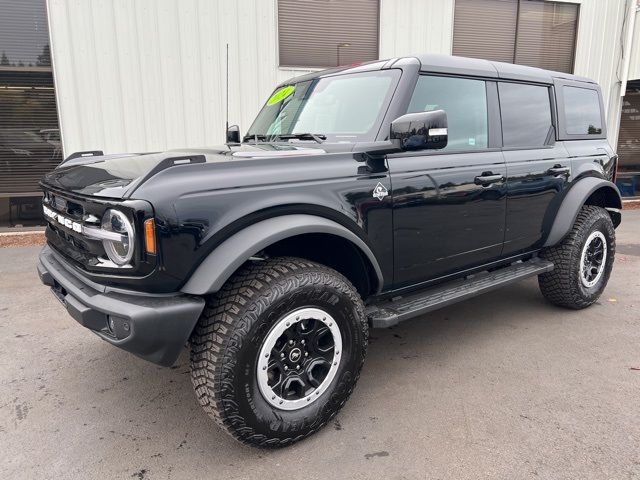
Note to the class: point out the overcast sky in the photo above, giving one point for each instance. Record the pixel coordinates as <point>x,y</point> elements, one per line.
<point>23,29</point>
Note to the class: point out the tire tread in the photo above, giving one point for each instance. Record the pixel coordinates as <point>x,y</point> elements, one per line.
<point>559,286</point>
<point>225,323</point>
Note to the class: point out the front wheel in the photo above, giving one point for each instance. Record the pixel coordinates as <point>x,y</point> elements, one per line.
<point>582,262</point>
<point>278,351</point>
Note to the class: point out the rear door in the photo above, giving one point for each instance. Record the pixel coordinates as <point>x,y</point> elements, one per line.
<point>538,168</point>
<point>449,205</point>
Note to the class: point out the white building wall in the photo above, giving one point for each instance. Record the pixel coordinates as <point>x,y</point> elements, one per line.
<point>415,26</point>
<point>145,75</point>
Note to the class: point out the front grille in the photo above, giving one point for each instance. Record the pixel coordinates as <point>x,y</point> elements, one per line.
<point>66,206</point>
<point>66,215</point>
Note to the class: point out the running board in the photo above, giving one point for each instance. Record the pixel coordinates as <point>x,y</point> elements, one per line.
<point>390,312</point>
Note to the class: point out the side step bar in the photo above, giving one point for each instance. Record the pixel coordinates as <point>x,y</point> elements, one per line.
<point>390,312</point>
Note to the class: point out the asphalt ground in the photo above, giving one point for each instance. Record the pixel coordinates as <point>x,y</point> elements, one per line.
<point>501,386</point>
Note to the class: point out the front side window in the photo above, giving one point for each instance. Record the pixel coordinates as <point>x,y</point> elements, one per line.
<point>343,108</point>
<point>581,111</point>
<point>465,103</point>
<point>526,115</point>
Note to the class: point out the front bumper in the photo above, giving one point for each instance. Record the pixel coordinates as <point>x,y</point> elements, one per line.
<point>154,327</point>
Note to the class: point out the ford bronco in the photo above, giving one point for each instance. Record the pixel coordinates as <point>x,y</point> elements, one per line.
<point>359,197</point>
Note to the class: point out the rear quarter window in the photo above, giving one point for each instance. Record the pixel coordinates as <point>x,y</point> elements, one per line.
<point>581,111</point>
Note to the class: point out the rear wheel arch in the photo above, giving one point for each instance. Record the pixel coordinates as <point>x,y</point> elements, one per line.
<point>587,191</point>
<point>307,236</point>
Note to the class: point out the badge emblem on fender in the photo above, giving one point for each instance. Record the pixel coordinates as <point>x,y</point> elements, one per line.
<point>380,191</point>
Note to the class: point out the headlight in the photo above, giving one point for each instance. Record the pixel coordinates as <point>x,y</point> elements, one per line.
<point>119,252</point>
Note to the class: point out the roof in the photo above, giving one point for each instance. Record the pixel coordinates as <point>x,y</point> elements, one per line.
<point>455,65</point>
<point>487,68</point>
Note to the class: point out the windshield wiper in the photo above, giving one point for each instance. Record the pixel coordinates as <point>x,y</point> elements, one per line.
<point>255,138</point>
<point>284,136</point>
<point>303,136</point>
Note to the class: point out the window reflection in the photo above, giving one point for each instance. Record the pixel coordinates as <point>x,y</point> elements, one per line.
<point>526,115</point>
<point>30,143</point>
<point>581,111</point>
<point>465,103</point>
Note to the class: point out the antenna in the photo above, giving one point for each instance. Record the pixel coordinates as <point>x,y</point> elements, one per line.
<point>227,114</point>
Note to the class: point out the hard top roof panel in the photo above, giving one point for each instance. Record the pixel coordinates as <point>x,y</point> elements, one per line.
<point>450,64</point>
<point>485,68</point>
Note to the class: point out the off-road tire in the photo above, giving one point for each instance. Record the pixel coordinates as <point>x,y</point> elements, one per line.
<point>226,343</point>
<point>563,286</point>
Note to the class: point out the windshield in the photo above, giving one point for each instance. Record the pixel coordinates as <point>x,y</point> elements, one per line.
<point>341,108</point>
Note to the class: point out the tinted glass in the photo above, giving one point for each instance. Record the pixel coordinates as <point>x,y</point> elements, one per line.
<point>526,114</point>
<point>326,33</point>
<point>343,107</point>
<point>546,35</point>
<point>532,32</point>
<point>464,101</point>
<point>582,111</point>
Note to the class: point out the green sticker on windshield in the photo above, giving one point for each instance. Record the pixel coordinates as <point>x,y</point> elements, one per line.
<point>280,95</point>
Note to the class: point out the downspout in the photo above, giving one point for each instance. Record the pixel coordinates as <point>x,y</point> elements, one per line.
<point>634,6</point>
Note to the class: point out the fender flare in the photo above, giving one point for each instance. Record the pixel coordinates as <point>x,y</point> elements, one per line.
<point>573,202</point>
<point>225,259</point>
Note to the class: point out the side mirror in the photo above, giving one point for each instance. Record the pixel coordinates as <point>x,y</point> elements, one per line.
<point>420,131</point>
<point>233,134</point>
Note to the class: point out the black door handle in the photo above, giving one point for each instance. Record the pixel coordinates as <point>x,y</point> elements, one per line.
<point>559,169</point>
<point>488,178</point>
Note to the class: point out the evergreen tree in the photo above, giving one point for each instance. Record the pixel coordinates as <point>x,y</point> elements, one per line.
<point>44,59</point>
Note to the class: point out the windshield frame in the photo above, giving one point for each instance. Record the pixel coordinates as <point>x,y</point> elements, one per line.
<point>395,74</point>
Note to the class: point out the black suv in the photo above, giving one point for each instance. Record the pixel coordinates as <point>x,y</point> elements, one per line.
<point>359,197</point>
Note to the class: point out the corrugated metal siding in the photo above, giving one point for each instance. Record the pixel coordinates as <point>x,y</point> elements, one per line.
<point>634,67</point>
<point>149,75</point>
<point>415,26</point>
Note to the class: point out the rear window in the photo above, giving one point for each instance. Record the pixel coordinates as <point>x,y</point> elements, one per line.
<point>581,111</point>
<point>526,115</point>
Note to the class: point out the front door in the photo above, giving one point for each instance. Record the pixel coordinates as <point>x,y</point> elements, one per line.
<point>449,205</point>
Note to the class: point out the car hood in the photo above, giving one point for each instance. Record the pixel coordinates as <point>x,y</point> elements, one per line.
<point>117,176</point>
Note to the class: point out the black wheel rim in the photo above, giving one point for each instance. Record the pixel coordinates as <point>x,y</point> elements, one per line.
<point>593,259</point>
<point>299,358</point>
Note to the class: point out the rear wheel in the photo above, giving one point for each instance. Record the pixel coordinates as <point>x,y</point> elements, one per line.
<point>582,262</point>
<point>278,351</point>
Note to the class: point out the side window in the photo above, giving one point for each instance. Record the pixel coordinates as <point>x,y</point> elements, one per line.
<point>581,111</point>
<point>526,115</point>
<point>464,101</point>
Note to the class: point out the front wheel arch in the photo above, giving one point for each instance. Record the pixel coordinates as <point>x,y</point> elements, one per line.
<point>231,254</point>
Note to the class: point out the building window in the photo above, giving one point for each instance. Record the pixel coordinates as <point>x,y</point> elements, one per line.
<point>527,32</point>
<point>29,134</point>
<point>526,115</point>
<point>465,102</point>
<point>327,33</point>
<point>628,180</point>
